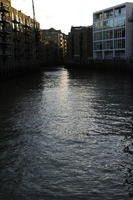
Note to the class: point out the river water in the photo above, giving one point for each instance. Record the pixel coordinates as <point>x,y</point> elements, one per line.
<point>66,135</point>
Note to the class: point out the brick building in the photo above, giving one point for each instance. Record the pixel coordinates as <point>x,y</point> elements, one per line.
<point>19,36</point>
<point>55,44</point>
<point>80,44</point>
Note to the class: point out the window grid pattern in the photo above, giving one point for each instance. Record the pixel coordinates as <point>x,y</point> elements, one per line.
<point>109,33</point>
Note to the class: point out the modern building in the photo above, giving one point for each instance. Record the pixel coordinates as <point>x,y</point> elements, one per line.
<point>113,32</point>
<point>80,44</point>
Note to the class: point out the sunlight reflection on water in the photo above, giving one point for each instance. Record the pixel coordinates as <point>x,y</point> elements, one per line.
<point>63,136</point>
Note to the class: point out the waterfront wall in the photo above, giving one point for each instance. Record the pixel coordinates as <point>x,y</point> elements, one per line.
<point>116,65</point>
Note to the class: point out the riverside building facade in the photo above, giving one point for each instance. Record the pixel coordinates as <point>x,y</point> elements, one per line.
<point>80,45</point>
<point>19,37</point>
<point>55,44</point>
<point>113,32</point>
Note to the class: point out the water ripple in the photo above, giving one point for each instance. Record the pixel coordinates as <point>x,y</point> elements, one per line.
<point>66,135</point>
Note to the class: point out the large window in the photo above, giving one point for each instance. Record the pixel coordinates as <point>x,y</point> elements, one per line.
<point>120,54</point>
<point>108,24</point>
<point>120,11</point>
<point>120,21</point>
<point>118,33</point>
<point>119,44</point>
<point>98,17</point>
<point>98,36</point>
<point>20,20</point>
<point>108,34</point>
<point>108,14</point>
<point>17,18</point>
<point>98,46</point>
<point>98,55</point>
<point>98,25</point>
<point>108,45</point>
<point>108,54</point>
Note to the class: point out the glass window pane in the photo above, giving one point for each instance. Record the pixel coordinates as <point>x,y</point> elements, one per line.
<point>120,11</point>
<point>108,34</point>
<point>98,46</point>
<point>119,21</point>
<point>98,36</point>
<point>108,14</point>
<point>120,53</point>
<point>98,55</point>
<point>108,54</point>
<point>98,25</point>
<point>108,24</point>
<point>108,45</point>
<point>98,17</point>
<point>118,44</point>
<point>119,33</point>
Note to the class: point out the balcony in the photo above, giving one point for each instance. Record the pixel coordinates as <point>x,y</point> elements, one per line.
<point>15,21</point>
<point>4,8</point>
<point>5,30</point>
<point>5,19</point>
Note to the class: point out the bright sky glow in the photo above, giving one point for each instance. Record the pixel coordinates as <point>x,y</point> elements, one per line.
<point>62,14</point>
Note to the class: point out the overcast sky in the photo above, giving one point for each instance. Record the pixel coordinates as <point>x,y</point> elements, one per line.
<point>62,14</point>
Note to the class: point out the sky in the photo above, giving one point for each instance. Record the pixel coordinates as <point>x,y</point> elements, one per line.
<point>62,14</point>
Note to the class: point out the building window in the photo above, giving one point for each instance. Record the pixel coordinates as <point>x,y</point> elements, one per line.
<point>0,16</point>
<point>20,19</point>
<point>98,46</point>
<point>120,11</point>
<point>98,36</point>
<point>98,25</point>
<point>1,4</point>
<point>108,34</point>
<point>98,55</point>
<point>108,14</point>
<point>12,16</point>
<point>98,17</point>
<point>108,45</point>
<point>119,44</point>
<point>120,21</point>
<point>108,24</point>
<point>118,33</point>
<point>120,54</point>
<point>108,54</point>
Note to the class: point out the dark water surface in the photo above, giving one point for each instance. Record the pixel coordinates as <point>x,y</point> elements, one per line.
<point>66,135</point>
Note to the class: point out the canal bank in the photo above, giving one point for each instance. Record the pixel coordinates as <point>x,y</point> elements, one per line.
<point>16,69</point>
<point>102,65</point>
